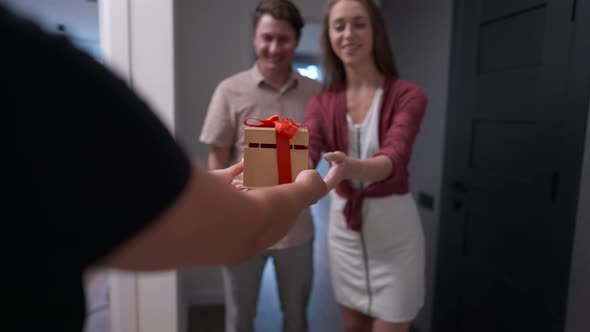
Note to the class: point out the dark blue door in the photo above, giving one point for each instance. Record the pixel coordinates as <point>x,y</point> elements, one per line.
<point>511,169</point>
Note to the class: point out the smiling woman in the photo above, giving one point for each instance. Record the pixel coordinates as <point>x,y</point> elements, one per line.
<point>367,121</point>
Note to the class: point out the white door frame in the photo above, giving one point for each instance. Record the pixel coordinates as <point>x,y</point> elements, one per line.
<point>142,53</point>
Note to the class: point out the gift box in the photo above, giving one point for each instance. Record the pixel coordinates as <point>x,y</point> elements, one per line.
<point>275,151</point>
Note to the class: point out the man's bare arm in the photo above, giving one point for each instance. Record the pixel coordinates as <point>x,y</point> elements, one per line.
<point>211,223</point>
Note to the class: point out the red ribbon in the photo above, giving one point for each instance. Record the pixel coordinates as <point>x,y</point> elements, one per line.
<point>285,130</point>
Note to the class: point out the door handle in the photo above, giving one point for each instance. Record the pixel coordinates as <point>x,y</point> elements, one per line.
<point>461,187</point>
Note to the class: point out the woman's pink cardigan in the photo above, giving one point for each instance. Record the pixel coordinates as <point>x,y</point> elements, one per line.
<point>402,109</point>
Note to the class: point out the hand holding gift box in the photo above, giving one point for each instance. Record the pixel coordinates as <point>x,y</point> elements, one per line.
<point>275,151</point>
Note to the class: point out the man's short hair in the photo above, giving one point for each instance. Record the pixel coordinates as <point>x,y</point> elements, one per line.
<point>283,10</point>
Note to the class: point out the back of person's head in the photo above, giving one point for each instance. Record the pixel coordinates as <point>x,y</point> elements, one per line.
<point>282,10</point>
<point>383,57</point>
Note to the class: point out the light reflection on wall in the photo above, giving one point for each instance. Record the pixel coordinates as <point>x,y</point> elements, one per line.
<point>310,71</point>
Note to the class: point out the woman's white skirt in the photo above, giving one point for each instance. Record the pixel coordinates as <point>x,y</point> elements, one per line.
<point>380,270</point>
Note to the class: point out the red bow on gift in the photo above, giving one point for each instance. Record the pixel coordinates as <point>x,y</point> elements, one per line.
<point>285,130</point>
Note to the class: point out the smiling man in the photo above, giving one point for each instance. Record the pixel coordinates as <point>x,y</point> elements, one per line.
<point>270,87</point>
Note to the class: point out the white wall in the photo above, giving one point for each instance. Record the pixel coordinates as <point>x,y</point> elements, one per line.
<point>79,17</point>
<point>152,67</point>
<point>312,10</point>
<point>310,46</point>
<point>144,301</point>
<point>420,31</point>
<point>114,36</point>
<point>212,43</point>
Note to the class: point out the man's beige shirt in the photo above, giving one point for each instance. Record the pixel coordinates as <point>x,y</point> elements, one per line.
<point>247,95</point>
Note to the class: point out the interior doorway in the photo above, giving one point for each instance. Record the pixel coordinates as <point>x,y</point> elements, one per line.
<point>514,151</point>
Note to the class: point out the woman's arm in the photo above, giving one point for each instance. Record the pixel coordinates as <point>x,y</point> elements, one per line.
<point>345,168</point>
<point>400,136</point>
<point>396,146</point>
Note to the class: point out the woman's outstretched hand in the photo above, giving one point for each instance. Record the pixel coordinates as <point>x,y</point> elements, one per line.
<point>339,168</point>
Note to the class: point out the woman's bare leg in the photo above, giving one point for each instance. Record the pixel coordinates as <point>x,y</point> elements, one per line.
<point>383,326</point>
<point>355,321</point>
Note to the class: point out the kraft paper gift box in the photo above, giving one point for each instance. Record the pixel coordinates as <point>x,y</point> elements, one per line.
<point>261,162</point>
